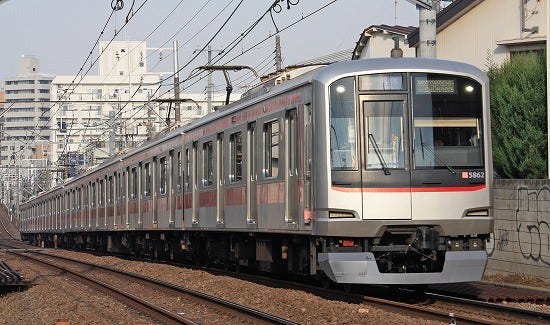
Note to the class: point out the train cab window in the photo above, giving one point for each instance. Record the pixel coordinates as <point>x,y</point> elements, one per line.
<point>207,172</point>
<point>147,179</point>
<point>343,134</point>
<point>163,170</point>
<point>187,170</point>
<point>447,120</point>
<point>133,183</point>
<point>271,149</point>
<point>384,134</point>
<point>236,152</point>
<point>382,81</point>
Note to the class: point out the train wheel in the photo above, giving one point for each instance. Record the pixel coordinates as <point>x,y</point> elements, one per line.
<point>347,288</point>
<point>155,252</point>
<point>325,281</point>
<point>172,252</point>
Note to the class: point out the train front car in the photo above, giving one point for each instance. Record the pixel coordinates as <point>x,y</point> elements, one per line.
<point>402,171</point>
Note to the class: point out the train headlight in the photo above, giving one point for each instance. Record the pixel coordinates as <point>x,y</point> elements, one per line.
<point>340,214</point>
<point>478,213</point>
<point>455,244</point>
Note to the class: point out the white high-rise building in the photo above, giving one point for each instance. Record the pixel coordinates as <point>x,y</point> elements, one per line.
<point>25,134</point>
<point>99,115</point>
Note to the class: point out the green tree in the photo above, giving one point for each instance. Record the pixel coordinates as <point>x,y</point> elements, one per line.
<point>519,120</point>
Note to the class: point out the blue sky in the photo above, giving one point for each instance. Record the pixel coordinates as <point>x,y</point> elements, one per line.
<point>61,33</point>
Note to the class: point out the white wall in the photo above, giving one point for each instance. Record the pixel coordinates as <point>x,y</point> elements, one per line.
<point>475,35</point>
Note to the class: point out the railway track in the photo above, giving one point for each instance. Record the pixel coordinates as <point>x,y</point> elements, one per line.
<point>426,305</point>
<point>150,296</point>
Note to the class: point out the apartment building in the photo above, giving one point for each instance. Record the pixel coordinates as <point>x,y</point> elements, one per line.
<point>24,127</point>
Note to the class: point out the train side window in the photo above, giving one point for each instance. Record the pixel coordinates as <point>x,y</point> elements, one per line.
<point>207,153</point>
<point>147,179</point>
<point>163,170</point>
<point>236,152</point>
<point>120,184</point>
<point>271,149</point>
<point>101,192</point>
<point>79,198</point>
<point>187,170</point>
<point>252,150</point>
<point>94,194</point>
<point>111,192</point>
<point>292,136</point>
<point>133,183</point>
<point>178,173</point>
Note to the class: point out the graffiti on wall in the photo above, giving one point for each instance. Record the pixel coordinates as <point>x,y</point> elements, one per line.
<point>532,223</point>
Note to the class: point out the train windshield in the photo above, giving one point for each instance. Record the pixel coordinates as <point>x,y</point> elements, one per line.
<point>447,122</point>
<point>343,147</point>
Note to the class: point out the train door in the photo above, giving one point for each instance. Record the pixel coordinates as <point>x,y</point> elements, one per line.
<point>251,186</point>
<point>155,191</point>
<point>291,172</point>
<point>194,184</point>
<point>385,169</point>
<point>173,180</point>
<point>220,192</point>
<point>162,201</point>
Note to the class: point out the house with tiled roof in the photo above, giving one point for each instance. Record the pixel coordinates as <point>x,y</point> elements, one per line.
<point>377,41</point>
<point>476,31</point>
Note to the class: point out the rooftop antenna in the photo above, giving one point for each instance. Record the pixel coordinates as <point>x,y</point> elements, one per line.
<point>395,13</point>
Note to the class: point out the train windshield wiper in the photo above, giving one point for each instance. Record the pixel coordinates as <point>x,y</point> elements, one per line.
<point>379,154</point>
<point>436,156</point>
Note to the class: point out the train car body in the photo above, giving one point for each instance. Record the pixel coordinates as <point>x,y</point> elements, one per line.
<point>369,171</point>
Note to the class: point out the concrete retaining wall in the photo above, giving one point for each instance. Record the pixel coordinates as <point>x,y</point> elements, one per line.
<point>521,241</point>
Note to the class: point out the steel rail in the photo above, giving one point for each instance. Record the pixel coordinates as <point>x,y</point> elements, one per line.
<point>518,312</point>
<point>152,310</point>
<point>256,314</point>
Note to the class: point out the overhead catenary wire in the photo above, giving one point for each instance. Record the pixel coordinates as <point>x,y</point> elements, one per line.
<point>127,54</point>
<point>233,44</point>
<point>30,139</point>
<point>227,50</point>
<point>160,83</point>
<point>116,5</point>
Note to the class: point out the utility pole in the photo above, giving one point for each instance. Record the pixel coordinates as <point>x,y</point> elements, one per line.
<point>427,27</point>
<point>278,57</point>
<point>149,122</point>
<point>176,84</point>
<point>210,85</point>
<point>112,134</point>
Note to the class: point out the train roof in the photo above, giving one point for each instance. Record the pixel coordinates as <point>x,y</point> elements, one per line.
<point>385,65</point>
<point>324,74</point>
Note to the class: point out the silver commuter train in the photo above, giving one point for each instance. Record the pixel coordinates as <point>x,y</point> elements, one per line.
<point>368,171</point>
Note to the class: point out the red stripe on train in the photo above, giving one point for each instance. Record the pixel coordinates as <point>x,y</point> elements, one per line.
<point>411,189</point>
<point>235,196</point>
